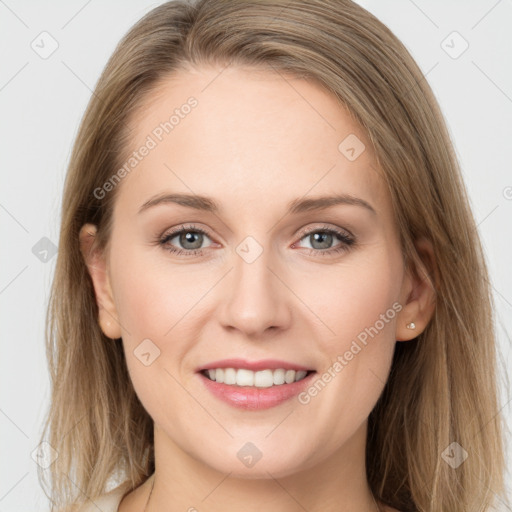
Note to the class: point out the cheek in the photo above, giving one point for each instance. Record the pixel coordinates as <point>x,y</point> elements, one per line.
<point>154,306</point>
<point>159,308</point>
<point>150,300</point>
<point>351,298</point>
<point>360,306</point>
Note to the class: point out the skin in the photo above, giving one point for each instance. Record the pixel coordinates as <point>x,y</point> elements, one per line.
<point>256,141</point>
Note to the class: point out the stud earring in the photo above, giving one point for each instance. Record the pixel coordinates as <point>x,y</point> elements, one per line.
<point>412,325</point>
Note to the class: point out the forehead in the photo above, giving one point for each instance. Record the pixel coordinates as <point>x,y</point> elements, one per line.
<point>251,134</point>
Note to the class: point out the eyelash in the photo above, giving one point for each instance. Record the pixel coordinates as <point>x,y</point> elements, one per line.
<point>347,241</point>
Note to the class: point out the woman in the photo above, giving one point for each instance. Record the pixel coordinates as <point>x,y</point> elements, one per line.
<point>356,372</point>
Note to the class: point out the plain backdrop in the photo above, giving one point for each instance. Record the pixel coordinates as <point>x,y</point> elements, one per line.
<point>43,97</point>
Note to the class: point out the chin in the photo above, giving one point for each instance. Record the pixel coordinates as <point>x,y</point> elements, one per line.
<point>250,462</point>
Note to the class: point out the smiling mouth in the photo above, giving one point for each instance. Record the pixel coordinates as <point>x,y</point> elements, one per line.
<point>242,377</point>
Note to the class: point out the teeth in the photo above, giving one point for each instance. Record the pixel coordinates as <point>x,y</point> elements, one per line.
<point>259,379</point>
<point>229,376</point>
<point>244,377</point>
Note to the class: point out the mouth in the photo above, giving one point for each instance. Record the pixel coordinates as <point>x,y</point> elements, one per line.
<point>255,385</point>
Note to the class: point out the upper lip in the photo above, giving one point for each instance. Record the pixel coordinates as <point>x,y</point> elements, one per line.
<point>262,364</point>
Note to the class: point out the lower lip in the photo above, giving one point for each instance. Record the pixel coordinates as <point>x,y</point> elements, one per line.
<point>252,398</point>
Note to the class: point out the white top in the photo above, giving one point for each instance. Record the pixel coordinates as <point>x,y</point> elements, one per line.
<point>106,503</point>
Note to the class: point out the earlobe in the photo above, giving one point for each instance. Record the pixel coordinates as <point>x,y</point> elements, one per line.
<point>97,268</point>
<point>418,294</point>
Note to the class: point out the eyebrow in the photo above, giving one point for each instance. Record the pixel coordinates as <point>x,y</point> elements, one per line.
<point>208,204</point>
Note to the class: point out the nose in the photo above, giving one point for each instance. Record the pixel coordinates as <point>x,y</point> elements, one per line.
<point>255,298</point>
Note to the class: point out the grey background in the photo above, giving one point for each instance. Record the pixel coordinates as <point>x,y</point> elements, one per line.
<point>42,101</point>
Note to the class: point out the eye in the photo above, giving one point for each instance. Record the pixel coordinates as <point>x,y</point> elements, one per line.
<point>322,239</point>
<point>189,237</point>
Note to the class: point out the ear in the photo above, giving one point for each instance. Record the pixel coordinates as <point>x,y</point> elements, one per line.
<point>418,295</point>
<point>97,267</point>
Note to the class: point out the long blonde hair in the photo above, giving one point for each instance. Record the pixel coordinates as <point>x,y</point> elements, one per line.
<point>442,387</point>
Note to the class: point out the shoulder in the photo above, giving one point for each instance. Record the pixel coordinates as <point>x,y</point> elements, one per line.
<point>108,502</point>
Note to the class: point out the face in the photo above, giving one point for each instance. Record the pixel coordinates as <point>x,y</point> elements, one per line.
<point>268,276</point>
